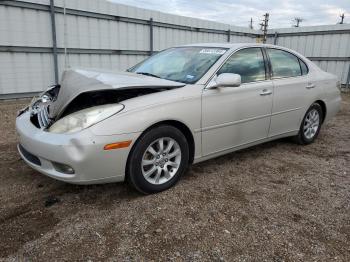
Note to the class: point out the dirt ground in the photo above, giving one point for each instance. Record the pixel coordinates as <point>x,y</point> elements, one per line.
<point>274,202</point>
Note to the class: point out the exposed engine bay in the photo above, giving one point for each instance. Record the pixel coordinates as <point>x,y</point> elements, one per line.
<point>96,98</point>
<point>40,107</point>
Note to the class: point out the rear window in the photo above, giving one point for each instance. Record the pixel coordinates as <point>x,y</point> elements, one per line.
<point>284,64</point>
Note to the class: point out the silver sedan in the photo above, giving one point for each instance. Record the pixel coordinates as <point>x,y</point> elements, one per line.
<point>181,106</point>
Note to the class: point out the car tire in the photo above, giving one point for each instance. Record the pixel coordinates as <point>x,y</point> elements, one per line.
<point>310,126</point>
<point>154,167</point>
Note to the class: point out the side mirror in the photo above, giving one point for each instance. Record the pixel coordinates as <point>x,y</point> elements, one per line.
<point>225,80</point>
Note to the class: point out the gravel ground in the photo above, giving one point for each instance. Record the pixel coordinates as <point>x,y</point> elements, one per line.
<point>274,202</point>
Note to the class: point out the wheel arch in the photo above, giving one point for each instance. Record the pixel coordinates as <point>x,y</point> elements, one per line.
<point>324,108</point>
<point>186,131</point>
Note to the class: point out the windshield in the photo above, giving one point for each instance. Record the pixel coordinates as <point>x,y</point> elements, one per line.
<point>181,64</point>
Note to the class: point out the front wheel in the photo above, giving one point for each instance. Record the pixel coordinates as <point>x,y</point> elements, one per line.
<point>310,126</point>
<point>158,159</point>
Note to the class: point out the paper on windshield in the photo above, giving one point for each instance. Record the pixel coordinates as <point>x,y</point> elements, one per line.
<point>213,51</point>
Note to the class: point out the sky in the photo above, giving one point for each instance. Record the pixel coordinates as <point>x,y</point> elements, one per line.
<point>239,12</point>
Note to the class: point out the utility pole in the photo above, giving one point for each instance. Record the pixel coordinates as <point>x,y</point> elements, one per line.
<point>298,20</point>
<point>342,16</point>
<point>264,25</point>
<point>251,23</point>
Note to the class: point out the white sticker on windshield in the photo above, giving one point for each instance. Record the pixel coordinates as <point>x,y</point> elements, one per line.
<point>213,51</point>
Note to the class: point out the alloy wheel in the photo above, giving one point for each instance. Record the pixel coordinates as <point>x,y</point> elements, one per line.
<point>311,124</point>
<point>161,160</point>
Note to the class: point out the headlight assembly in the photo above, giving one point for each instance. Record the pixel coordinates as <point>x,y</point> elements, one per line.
<point>84,118</point>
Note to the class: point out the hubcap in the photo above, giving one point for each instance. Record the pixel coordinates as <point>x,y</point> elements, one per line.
<point>311,124</point>
<point>161,160</point>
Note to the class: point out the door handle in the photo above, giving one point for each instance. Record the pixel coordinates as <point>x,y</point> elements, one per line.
<point>310,85</point>
<point>266,92</point>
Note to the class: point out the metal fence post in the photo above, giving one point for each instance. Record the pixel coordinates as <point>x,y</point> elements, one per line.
<point>54,39</point>
<point>151,35</point>
<point>348,79</point>
<point>275,39</point>
<point>229,36</point>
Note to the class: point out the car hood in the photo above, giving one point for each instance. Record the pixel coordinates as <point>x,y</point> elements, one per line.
<point>77,81</point>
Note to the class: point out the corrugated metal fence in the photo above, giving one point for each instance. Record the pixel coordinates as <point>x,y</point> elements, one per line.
<point>327,46</point>
<point>38,39</point>
<point>89,34</point>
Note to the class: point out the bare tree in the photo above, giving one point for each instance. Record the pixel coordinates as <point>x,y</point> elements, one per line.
<point>297,21</point>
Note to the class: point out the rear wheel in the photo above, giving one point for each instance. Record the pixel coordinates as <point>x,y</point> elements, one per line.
<point>158,159</point>
<point>310,126</point>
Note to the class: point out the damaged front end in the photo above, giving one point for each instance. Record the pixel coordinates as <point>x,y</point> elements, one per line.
<point>39,107</point>
<point>87,97</point>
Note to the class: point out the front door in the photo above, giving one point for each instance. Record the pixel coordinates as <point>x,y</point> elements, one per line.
<point>234,116</point>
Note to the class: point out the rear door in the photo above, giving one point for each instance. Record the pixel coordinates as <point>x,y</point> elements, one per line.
<point>291,91</point>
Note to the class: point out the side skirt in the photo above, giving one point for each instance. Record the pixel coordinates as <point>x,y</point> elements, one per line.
<point>239,147</point>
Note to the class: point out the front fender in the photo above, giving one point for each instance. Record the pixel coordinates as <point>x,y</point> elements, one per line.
<point>186,111</point>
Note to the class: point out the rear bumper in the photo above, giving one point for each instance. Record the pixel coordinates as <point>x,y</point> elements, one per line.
<point>83,151</point>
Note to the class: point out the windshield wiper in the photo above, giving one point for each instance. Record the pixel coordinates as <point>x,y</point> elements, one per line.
<point>147,74</point>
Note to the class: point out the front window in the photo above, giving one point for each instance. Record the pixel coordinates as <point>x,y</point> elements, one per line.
<point>248,63</point>
<point>182,64</point>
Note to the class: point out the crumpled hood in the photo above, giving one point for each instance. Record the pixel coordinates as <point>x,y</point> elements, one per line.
<point>77,81</point>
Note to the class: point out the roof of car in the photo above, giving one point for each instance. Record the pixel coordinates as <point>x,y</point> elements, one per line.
<point>229,45</point>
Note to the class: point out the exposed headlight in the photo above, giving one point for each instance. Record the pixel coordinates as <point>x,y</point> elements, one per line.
<point>84,118</point>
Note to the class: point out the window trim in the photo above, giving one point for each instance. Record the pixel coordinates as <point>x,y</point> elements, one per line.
<point>267,64</point>
<point>240,49</point>
<point>283,77</point>
<point>301,70</point>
